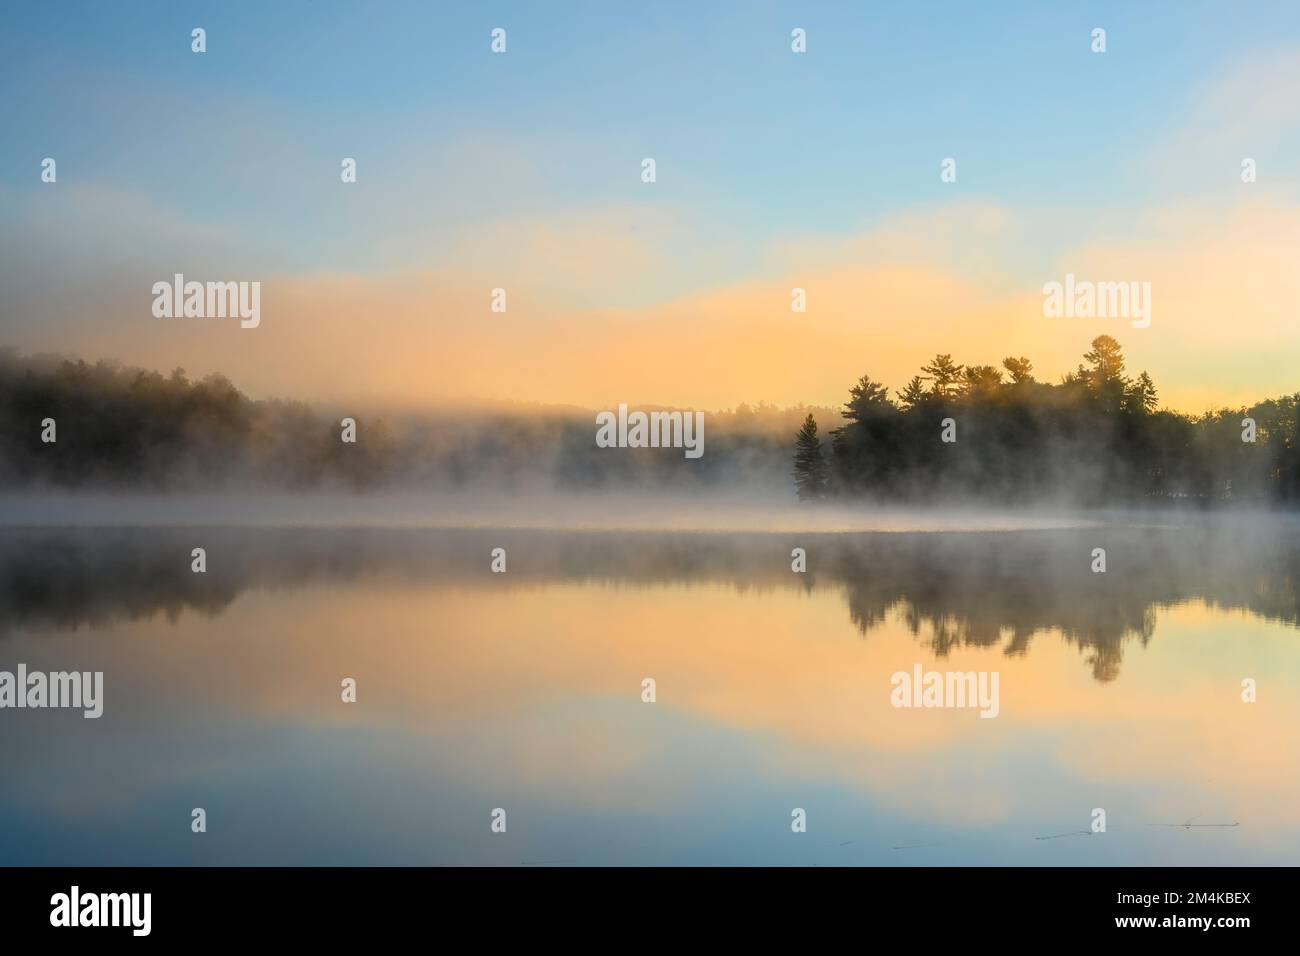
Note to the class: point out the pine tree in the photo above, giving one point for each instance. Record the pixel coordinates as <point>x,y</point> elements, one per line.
<point>811,476</point>
<point>1105,373</point>
<point>1140,395</point>
<point>1021,369</point>
<point>945,374</point>
<point>981,380</point>
<point>867,399</point>
<point>914,394</point>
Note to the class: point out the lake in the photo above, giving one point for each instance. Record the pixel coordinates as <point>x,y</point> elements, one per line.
<point>523,691</point>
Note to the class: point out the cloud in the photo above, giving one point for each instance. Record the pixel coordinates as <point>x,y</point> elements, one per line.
<point>655,299</point>
<point>881,301</point>
<point>1251,110</point>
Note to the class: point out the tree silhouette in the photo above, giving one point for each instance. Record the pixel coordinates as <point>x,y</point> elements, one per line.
<point>811,474</point>
<point>1099,437</point>
<point>1020,369</point>
<point>981,380</point>
<point>866,399</point>
<point>945,374</point>
<point>1106,358</point>
<point>913,393</point>
<point>1140,396</point>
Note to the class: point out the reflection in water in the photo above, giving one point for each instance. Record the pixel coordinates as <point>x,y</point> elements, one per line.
<point>989,589</point>
<point>522,690</point>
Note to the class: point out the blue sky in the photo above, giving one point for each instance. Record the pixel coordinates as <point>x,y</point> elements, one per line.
<point>823,142</point>
<point>229,161</point>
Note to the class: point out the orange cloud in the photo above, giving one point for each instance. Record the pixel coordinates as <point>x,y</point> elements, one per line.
<point>949,279</point>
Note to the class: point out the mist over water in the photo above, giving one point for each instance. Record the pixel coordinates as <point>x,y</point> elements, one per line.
<point>522,690</point>
<point>737,510</point>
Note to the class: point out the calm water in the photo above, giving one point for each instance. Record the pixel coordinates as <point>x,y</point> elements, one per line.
<point>523,691</point>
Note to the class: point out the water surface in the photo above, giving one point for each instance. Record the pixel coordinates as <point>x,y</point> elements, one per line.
<point>523,691</point>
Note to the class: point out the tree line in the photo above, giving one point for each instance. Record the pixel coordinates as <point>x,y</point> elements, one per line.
<point>122,427</point>
<point>1098,437</point>
<point>116,426</point>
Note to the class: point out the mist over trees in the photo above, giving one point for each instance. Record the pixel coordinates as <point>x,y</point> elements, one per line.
<point>1097,437</point>
<point>118,426</point>
<point>126,428</point>
<point>811,476</point>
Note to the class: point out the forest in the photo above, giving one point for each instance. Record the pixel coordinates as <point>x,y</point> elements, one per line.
<point>125,428</point>
<point>976,433</point>
<point>1098,437</point>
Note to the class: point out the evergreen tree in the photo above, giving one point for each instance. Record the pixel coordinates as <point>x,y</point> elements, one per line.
<point>811,476</point>
<point>1106,359</point>
<point>866,400</point>
<point>946,375</point>
<point>1023,438</point>
<point>1020,369</point>
<point>1105,373</point>
<point>1141,395</point>
<point>981,380</point>
<point>913,394</point>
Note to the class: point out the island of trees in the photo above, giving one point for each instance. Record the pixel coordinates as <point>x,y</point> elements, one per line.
<point>1097,437</point>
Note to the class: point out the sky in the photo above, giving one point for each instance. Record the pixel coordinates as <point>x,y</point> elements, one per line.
<point>775,170</point>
